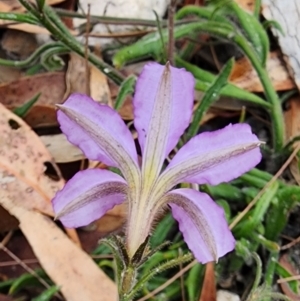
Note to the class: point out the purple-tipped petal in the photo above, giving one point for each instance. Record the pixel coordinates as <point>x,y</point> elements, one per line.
<point>163,104</point>
<point>88,196</point>
<point>99,132</point>
<point>215,157</point>
<point>202,224</point>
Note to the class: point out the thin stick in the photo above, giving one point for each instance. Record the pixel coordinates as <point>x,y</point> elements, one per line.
<point>171,280</point>
<point>290,244</point>
<point>288,279</point>
<point>171,43</point>
<point>86,51</point>
<point>23,265</point>
<point>253,202</point>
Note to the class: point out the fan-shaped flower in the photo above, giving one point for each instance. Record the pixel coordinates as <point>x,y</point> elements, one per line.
<point>163,104</point>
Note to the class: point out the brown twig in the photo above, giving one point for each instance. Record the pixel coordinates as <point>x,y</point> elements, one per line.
<point>86,50</point>
<point>291,244</point>
<point>171,43</point>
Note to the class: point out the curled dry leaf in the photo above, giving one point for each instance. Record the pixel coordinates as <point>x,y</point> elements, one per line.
<point>244,76</point>
<point>61,149</point>
<point>292,121</point>
<point>28,180</point>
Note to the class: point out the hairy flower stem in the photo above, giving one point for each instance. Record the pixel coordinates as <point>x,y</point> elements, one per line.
<point>127,281</point>
<point>140,218</point>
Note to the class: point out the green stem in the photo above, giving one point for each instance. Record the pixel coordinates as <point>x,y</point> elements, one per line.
<point>31,59</point>
<point>18,17</point>
<point>270,93</point>
<point>48,18</point>
<point>116,21</point>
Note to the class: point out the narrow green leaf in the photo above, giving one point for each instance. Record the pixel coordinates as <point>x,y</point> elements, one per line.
<point>278,214</point>
<point>19,17</point>
<point>205,78</point>
<point>162,230</point>
<point>159,269</point>
<point>47,294</point>
<point>194,282</point>
<point>275,24</point>
<point>40,4</point>
<point>253,30</point>
<point>211,95</point>
<point>283,273</point>
<point>26,280</point>
<point>22,111</point>
<point>126,88</point>
<point>150,45</point>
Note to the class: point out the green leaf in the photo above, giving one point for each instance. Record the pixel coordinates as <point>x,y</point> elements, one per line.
<point>205,78</point>
<point>162,230</point>
<point>126,88</point>
<point>211,95</point>
<point>47,294</point>
<point>275,24</point>
<point>254,218</point>
<point>22,111</point>
<point>278,214</point>
<point>40,4</point>
<point>253,30</point>
<point>194,281</point>
<point>26,280</point>
<point>283,273</point>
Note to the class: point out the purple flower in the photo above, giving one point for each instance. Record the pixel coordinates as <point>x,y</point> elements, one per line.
<point>163,104</point>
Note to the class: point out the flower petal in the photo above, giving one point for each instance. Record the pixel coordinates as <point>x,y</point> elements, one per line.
<point>163,104</point>
<point>88,196</point>
<point>202,224</point>
<point>99,132</point>
<point>214,157</point>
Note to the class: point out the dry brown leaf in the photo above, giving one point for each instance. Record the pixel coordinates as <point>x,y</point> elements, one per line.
<point>9,74</point>
<point>292,121</point>
<point>66,264</point>
<point>88,80</point>
<point>17,44</point>
<point>99,89</point>
<point>247,5</point>
<point>209,292</point>
<point>112,220</point>
<point>61,149</point>
<point>15,6</point>
<point>41,116</point>
<point>25,191</point>
<point>25,165</point>
<point>76,75</point>
<point>245,77</point>
<point>50,85</point>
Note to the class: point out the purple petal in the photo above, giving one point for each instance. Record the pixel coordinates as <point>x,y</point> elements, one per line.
<point>202,223</point>
<point>215,157</point>
<point>99,132</point>
<point>88,196</point>
<point>163,104</point>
